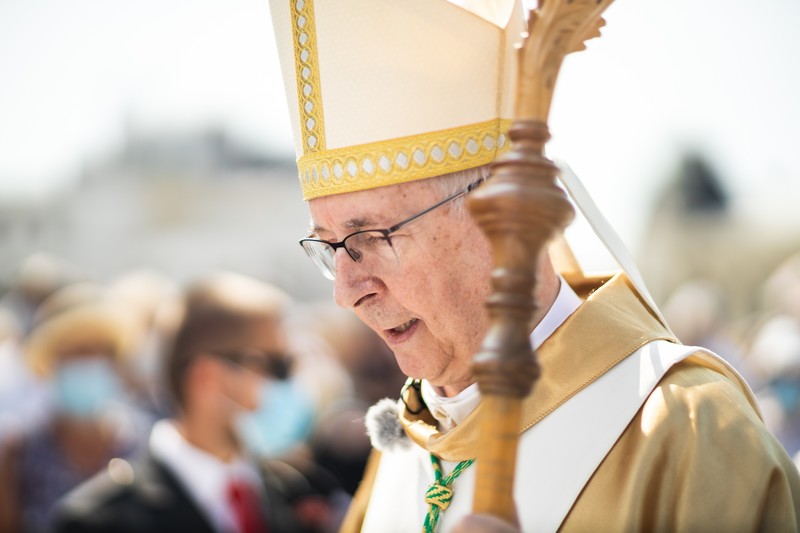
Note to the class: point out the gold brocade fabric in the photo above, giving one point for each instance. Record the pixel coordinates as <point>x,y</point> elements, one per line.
<point>696,457</point>
<point>609,326</point>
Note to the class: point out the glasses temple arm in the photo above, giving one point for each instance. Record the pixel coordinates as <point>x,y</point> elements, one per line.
<point>471,187</point>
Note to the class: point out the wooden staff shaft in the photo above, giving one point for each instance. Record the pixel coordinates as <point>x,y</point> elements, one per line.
<point>520,209</point>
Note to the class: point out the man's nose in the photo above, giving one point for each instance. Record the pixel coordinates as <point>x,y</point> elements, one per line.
<point>353,284</point>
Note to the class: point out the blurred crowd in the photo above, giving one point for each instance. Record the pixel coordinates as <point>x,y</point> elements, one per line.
<point>141,404</point>
<point>224,405</point>
<point>764,346</point>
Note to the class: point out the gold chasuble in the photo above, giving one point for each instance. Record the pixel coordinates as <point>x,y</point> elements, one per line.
<point>695,457</point>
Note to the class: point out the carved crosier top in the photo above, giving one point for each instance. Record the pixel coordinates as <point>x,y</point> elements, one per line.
<point>555,29</point>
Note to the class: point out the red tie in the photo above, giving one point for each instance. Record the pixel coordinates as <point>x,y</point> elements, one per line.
<point>245,504</point>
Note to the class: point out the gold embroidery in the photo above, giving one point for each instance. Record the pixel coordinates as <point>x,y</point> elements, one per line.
<point>309,89</point>
<point>403,159</point>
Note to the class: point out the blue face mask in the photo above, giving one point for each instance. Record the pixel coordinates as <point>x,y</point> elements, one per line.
<point>787,391</point>
<point>85,387</point>
<point>282,421</point>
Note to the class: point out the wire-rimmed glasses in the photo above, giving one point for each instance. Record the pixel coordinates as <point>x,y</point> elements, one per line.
<point>371,248</point>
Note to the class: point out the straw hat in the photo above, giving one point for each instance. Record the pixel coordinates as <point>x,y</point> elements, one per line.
<point>386,92</point>
<point>66,298</point>
<point>88,325</point>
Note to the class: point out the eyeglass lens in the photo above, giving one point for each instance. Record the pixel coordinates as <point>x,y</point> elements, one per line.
<point>371,249</point>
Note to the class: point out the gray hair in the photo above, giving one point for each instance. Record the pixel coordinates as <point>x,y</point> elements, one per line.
<point>449,184</point>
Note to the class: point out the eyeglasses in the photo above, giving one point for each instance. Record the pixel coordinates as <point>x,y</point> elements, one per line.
<point>371,248</point>
<point>269,364</point>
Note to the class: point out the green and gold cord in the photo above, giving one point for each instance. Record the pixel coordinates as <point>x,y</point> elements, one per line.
<point>439,494</point>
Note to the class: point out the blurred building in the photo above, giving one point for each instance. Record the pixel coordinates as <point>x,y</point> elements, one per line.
<point>182,203</point>
<point>698,232</point>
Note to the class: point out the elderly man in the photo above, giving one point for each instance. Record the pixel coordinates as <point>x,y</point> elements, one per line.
<point>398,107</point>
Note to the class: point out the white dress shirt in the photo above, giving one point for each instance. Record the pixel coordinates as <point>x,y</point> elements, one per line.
<point>204,476</point>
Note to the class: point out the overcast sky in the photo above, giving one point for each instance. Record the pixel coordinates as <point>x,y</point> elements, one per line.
<point>719,76</point>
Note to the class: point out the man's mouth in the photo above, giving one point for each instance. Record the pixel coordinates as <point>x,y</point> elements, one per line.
<point>397,332</point>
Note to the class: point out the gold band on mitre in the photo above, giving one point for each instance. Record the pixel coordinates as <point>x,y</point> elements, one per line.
<point>400,160</point>
<point>387,91</point>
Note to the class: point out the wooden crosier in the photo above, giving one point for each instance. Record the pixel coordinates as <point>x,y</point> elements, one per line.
<point>520,209</point>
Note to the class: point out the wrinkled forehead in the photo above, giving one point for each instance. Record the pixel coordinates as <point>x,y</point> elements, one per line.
<point>339,214</point>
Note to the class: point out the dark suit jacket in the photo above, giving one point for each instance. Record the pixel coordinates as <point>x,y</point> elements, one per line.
<point>154,501</point>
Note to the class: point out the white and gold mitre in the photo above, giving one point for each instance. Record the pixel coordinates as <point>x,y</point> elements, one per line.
<point>389,91</point>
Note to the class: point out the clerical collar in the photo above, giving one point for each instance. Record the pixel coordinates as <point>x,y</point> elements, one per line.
<point>449,412</point>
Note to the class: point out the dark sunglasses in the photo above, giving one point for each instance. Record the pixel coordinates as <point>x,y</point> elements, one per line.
<point>269,364</point>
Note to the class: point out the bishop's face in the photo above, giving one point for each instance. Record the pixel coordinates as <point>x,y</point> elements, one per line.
<point>428,305</point>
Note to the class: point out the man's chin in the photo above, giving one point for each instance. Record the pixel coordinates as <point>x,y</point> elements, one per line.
<point>412,368</point>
